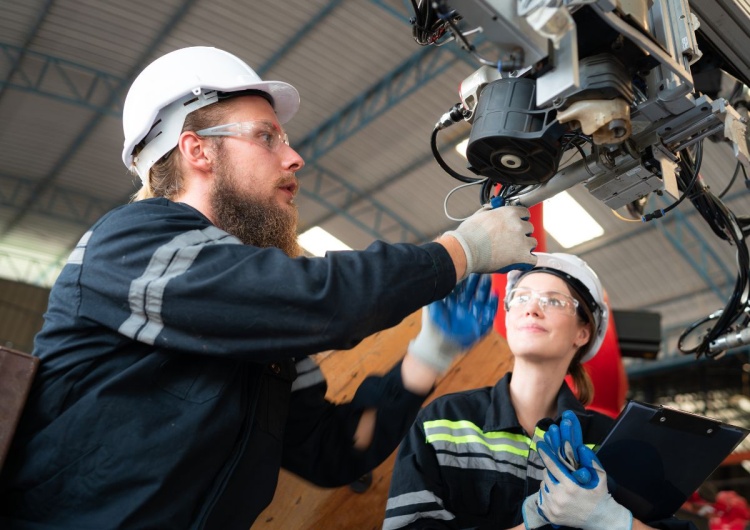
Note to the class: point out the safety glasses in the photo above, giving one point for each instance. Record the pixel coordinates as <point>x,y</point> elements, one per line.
<point>262,133</point>
<point>549,301</point>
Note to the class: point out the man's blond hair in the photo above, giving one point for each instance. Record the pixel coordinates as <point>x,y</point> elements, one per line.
<point>165,176</point>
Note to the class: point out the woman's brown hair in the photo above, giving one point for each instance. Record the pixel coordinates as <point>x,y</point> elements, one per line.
<point>584,387</point>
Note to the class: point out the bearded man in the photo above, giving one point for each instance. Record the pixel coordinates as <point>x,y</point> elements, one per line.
<point>175,378</point>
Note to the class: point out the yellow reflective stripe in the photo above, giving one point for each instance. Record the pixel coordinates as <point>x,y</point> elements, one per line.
<point>538,434</point>
<point>499,447</point>
<point>491,440</point>
<point>495,441</point>
<point>464,424</point>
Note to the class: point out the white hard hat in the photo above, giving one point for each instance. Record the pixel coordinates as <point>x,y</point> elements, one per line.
<point>178,83</point>
<point>582,279</point>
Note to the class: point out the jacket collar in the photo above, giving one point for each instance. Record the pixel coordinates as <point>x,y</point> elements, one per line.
<point>501,415</point>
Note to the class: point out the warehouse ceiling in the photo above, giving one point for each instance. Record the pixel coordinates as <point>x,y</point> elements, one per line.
<point>370,99</point>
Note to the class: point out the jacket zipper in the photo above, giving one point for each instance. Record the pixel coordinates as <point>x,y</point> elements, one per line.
<point>229,468</point>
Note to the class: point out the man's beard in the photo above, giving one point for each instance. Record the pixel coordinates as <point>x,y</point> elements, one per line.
<point>251,220</point>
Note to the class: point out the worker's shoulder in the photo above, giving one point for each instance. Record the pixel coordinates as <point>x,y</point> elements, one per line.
<point>148,222</point>
<point>461,403</point>
<point>154,209</point>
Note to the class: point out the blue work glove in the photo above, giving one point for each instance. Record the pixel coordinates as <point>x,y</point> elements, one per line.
<point>452,325</point>
<point>563,501</point>
<point>564,441</point>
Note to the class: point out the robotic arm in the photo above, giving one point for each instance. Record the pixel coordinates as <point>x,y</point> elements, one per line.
<point>634,93</point>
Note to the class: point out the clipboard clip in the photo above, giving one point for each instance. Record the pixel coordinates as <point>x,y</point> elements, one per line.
<point>685,422</point>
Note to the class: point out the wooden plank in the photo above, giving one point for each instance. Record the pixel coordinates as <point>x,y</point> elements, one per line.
<point>17,371</point>
<point>345,370</point>
<point>300,505</point>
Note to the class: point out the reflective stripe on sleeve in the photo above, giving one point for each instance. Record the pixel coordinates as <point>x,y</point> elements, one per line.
<point>167,262</point>
<point>76,257</point>
<point>404,509</point>
<point>308,374</point>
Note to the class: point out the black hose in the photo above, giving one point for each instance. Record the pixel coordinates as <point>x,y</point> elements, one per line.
<point>446,167</point>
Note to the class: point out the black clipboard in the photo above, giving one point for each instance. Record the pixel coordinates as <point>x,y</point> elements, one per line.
<point>656,457</point>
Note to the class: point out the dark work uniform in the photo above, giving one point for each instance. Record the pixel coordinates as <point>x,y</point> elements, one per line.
<point>175,379</point>
<point>468,464</point>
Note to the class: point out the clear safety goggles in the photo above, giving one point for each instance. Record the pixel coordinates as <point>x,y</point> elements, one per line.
<point>262,133</point>
<point>549,301</point>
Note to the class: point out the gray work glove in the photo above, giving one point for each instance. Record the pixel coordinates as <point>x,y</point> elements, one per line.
<point>564,442</point>
<point>497,240</point>
<point>452,325</point>
<point>533,516</point>
<point>564,501</point>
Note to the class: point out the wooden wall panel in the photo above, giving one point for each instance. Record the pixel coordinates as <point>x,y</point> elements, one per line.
<point>300,505</point>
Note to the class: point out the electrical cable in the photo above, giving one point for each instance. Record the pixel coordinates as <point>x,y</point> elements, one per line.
<point>572,141</point>
<point>469,47</point>
<point>570,138</point>
<point>727,226</point>
<point>454,190</point>
<point>623,218</point>
<point>737,303</point>
<point>734,177</point>
<point>428,25</point>
<point>694,176</point>
<point>583,157</point>
<point>486,191</point>
<point>444,165</point>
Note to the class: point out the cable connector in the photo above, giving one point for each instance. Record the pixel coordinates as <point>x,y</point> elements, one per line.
<point>454,115</point>
<point>653,215</point>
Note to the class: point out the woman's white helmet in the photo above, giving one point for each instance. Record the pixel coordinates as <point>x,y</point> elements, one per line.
<point>583,280</point>
<point>178,83</point>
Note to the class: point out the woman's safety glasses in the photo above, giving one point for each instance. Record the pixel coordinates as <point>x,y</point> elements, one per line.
<point>549,301</point>
<point>263,133</point>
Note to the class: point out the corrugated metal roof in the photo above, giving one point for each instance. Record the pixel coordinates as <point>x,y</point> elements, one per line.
<point>61,135</point>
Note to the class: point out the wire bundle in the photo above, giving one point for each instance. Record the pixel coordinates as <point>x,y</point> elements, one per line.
<point>728,227</point>
<point>428,25</point>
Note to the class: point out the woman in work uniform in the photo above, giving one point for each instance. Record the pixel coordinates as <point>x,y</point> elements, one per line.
<point>470,459</point>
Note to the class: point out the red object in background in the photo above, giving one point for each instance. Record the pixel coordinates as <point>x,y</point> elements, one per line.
<point>499,280</point>
<point>731,512</point>
<point>605,369</point>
